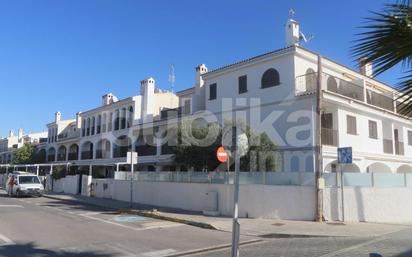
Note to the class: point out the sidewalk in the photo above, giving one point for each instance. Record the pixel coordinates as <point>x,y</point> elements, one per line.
<point>269,228</point>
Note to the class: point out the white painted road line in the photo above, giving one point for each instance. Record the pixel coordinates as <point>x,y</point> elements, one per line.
<point>159,253</point>
<point>11,206</point>
<point>6,240</point>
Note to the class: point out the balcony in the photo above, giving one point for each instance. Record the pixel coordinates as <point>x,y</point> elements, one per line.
<point>399,149</point>
<point>146,150</point>
<point>68,135</point>
<point>73,156</point>
<point>329,137</point>
<point>166,149</point>
<point>379,100</point>
<point>51,158</point>
<point>307,84</point>
<point>388,146</point>
<point>87,155</point>
<point>61,157</point>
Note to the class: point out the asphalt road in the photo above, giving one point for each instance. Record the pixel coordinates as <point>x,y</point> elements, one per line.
<point>45,227</point>
<point>34,227</point>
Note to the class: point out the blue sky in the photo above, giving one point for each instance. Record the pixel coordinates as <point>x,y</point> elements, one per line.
<point>63,55</point>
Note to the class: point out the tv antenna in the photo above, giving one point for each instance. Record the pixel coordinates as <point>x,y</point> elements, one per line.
<point>172,77</point>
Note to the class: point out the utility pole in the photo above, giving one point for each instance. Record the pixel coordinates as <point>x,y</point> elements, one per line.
<point>236,226</point>
<point>319,167</point>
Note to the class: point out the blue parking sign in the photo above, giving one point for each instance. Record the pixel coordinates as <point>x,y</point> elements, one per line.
<point>345,155</point>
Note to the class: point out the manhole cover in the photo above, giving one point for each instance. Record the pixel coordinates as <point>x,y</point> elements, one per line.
<point>128,218</point>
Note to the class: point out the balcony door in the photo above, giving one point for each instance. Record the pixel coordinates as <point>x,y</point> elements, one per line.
<point>328,134</point>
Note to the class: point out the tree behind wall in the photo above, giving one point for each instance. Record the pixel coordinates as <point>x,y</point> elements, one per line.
<point>24,155</point>
<point>262,153</point>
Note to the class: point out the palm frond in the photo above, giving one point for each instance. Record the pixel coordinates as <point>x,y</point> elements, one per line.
<point>404,98</point>
<point>387,40</point>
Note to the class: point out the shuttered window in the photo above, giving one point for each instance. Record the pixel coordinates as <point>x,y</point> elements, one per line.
<point>373,129</point>
<point>409,137</point>
<point>212,91</point>
<point>351,125</point>
<point>242,84</point>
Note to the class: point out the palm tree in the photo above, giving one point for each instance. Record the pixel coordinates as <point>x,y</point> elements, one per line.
<point>387,42</point>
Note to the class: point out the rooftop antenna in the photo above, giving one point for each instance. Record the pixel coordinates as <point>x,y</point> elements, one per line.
<point>291,13</point>
<point>172,77</point>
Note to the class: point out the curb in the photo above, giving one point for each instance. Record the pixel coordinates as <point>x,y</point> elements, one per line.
<point>158,215</point>
<point>150,214</point>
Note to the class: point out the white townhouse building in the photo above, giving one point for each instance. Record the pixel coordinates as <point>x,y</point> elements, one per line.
<point>103,136</point>
<point>275,93</point>
<point>13,142</point>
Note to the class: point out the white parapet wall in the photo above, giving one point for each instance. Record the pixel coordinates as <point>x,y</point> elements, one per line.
<point>369,204</point>
<point>256,201</point>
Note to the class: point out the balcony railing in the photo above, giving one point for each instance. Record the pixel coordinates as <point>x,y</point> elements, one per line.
<point>61,157</point>
<point>379,100</point>
<point>329,137</point>
<point>399,149</point>
<point>68,135</point>
<point>51,158</point>
<point>308,83</point>
<point>167,149</point>
<point>73,156</point>
<point>146,150</point>
<point>87,155</point>
<point>388,146</point>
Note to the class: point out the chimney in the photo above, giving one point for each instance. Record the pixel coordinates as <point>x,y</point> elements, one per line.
<point>57,116</point>
<point>199,101</point>
<point>78,120</point>
<point>147,91</point>
<point>365,67</point>
<point>292,33</point>
<point>107,99</point>
<point>20,133</point>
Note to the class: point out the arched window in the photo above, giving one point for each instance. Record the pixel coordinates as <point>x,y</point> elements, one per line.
<point>116,120</point>
<point>270,78</point>
<point>310,79</point>
<point>73,152</point>
<point>104,123</point>
<point>110,122</point>
<point>51,154</point>
<point>332,84</point>
<point>294,164</point>
<point>61,153</point>
<point>123,119</point>
<point>88,127</point>
<point>99,124</point>
<point>93,125</point>
<point>130,118</point>
<point>83,128</point>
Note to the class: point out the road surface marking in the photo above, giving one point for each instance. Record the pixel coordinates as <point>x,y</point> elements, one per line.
<point>6,240</point>
<point>125,226</point>
<point>158,253</point>
<point>11,206</point>
<point>338,253</point>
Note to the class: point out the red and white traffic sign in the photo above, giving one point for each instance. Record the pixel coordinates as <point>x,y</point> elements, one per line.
<point>221,154</point>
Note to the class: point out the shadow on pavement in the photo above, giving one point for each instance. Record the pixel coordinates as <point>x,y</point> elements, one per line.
<point>405,254</point>
<point>30,250</point>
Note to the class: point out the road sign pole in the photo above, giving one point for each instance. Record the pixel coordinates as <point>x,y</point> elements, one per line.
<point>342,192</point>
<point>131,181</point>
<point>236,226</point>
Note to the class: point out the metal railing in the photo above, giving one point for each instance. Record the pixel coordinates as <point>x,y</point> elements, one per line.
<point>388,146</point>
<point>399,149</point>
<point>73,156</point>
<point>329,136</point>
<point>308,83</point>
<point>380,100</point>
<point>86,155</point>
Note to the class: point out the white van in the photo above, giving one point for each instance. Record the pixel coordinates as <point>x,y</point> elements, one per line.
<point>25,184</point>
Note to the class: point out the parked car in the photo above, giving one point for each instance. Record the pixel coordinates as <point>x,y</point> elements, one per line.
<point>24,184</point>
